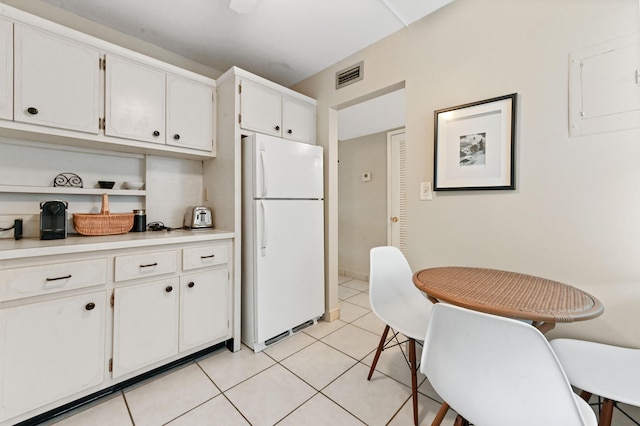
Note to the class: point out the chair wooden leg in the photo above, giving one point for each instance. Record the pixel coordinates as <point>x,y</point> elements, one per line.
<point>460,421</point>
<point>606,413</point>
<point>585,395</point>
<point>378,351</point>
<point>440,415</point>
<point>414,379</point>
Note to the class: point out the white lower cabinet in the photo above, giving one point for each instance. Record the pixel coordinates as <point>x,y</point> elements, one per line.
<point>75,324</point>
<point>204,308</point>
<point>145,324</point>
<point>50,350</point>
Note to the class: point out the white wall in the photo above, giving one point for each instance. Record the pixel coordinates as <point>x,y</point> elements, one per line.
<point>362,205</point>
<point>575,214</point>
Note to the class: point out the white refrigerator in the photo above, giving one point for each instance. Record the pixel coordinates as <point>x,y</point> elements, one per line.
<point>282,238</point>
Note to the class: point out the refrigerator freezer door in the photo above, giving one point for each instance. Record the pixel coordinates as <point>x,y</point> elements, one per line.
<point>286,169</point>
<point>289,267</point>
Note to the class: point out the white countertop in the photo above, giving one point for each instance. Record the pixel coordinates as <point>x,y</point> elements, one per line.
<point>31,247</point>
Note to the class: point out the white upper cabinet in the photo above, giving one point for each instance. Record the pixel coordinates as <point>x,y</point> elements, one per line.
<point>135,100</point>
<point>298,120</point>
<point>267,111</point>
<point>260,109</point>
<point>56,81</point>
<point>190,113</point>
<point>6,70</point>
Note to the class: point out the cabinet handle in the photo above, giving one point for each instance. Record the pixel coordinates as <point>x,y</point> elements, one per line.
<point>207,257</point>
<point>147,265</point>
<point>168,289</point>
<point>32,110</point>
<point>191,284</point>
<point>156,133</point>
<point>90,306</point>
<point>277,127</point>
<point>59,278</point>
<point>176,136</point>
<point>289,131</point>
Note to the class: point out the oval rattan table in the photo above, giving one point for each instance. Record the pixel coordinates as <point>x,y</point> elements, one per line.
<point>509,294</point>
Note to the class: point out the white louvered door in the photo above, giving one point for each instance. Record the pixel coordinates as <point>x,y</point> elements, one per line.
<point>397,193</point>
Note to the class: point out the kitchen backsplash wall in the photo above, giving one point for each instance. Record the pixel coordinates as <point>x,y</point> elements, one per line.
<point>170,184</point>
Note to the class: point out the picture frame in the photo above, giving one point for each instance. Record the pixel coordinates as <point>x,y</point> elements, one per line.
<point>474,145</point>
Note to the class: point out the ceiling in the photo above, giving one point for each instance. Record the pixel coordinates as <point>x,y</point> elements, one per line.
<point>284,41</point>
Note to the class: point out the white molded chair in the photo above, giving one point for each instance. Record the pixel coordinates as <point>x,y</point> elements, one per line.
<point>608,371</point>
<point>498,371</point>
<point>400,305</point>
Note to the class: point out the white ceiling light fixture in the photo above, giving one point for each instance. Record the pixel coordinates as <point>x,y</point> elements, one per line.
<point>243,6</point>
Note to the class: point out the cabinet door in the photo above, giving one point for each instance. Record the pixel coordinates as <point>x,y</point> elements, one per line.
<point>204,308</point>
<point>6,70</point>
<point>56,81</point>
<point>189,113</point>
<point>298,120</point>
<point>145,325</point>
<point>50,350</point>
<point>260,109</point>
<point>135,100</point>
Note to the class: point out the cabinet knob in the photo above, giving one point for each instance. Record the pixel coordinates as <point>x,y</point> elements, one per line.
<point>176,136</point>
<point>191,284</point>
<point>289,131</point>
<point>277,127</point>
<point>168,289</point>
<point>32,110</point>
<point>156,133</point>
<point>90,306</point>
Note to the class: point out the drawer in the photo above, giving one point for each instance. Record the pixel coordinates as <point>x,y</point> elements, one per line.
<point>36,280</point>
<point>201,257</point>
<point>144,265</point>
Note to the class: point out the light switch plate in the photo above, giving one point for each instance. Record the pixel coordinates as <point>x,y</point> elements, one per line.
<point>425,191</point>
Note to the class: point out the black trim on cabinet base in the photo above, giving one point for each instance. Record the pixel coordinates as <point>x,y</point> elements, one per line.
<point>63,409</point>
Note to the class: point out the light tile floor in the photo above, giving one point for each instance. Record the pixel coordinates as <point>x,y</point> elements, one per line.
<point>316,377</point>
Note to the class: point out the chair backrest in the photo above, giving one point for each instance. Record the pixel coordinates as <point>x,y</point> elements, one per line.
<point>496,371</point>
<point>393,296</point>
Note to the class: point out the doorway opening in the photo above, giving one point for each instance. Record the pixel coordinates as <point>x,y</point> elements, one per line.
<point>363,188</point>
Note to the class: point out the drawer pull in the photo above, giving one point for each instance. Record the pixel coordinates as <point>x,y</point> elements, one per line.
<point>149,265</point>
<point>168,289</point>
<point>90,306</point>
<point>191,284</point>
<point>59,278</point>
<point>208,257</point>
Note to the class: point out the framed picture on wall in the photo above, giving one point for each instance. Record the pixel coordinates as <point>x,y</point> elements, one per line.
<point>475,145</point>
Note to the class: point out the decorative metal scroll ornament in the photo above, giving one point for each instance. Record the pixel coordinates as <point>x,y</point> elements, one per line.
<point>68,179</point>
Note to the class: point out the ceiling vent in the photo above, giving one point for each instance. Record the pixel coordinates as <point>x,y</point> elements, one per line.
<point>350,75</point>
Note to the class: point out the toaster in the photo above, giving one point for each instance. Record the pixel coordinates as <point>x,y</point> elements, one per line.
<point>198,217</point>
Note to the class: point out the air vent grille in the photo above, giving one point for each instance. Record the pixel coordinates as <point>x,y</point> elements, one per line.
<point>350,75</point>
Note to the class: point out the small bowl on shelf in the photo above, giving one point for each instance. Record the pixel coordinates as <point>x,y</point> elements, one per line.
<point>106,184</point>
<point>133,185</point>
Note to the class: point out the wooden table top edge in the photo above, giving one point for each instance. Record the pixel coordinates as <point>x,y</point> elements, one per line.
<point>594,311</point>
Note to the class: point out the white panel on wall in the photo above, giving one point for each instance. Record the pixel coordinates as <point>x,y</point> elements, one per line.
<point>172,185</point>
<point>604,87</point>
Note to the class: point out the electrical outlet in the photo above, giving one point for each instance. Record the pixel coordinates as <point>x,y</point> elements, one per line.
<point>425,191</point>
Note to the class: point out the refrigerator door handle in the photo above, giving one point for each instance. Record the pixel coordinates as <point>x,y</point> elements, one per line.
<point>263,172</point>
<point>263,238</point>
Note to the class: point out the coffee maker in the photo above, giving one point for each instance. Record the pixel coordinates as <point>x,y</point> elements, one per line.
<point>53,220</point>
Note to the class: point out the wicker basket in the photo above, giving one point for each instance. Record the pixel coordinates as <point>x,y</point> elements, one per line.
<point>103,223</point>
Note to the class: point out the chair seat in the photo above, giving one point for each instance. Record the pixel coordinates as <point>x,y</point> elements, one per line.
<point>409,318</point>
<point>605,370</point>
